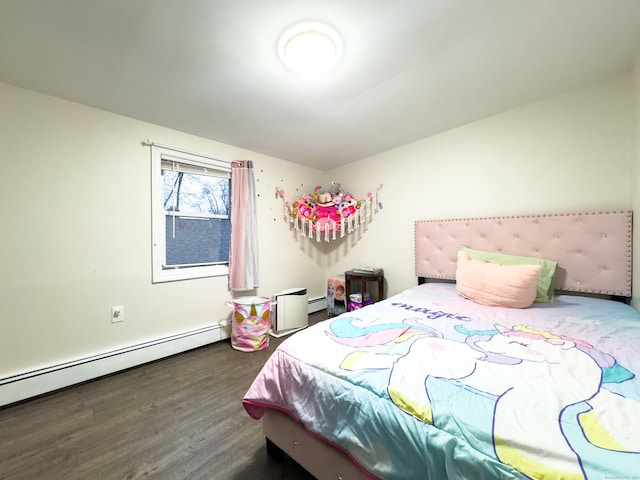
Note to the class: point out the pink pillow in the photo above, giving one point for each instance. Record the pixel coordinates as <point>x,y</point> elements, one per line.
<point>496,285</point>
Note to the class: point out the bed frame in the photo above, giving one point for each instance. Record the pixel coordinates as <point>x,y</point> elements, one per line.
<point>594,255</point>
<point>593,250</point>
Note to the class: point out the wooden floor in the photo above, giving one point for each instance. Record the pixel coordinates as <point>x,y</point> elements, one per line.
<point>177,418</point>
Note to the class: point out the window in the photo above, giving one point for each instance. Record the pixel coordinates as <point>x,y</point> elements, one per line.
<point>191,198</point>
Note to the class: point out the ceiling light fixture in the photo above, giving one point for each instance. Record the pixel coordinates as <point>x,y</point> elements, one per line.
<point>310,48</point>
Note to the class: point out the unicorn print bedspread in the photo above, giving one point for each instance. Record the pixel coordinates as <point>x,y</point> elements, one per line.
<point>427,384</point>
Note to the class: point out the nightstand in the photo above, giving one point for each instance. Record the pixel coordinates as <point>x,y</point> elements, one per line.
<point>362,279</point>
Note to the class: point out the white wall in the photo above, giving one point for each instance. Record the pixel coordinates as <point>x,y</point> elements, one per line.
<point>635,192</point>
<point>75,190</point>
<point>570,152</point>
<point>76,186</point>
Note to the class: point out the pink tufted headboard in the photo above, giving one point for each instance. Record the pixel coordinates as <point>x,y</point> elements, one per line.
<point>593,250</point>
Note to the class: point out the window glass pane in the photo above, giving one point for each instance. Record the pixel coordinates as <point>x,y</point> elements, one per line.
<point>197,240</point>
<point>191,237</point>
<point>195,194</point>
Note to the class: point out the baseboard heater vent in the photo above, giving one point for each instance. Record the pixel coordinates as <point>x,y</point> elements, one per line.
<point>44,380</point>
<point>317,304</point>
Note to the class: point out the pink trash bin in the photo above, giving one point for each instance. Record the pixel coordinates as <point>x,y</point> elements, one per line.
<point>251,323</point>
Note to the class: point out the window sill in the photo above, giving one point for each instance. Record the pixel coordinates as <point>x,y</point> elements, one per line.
<point>175,274</point>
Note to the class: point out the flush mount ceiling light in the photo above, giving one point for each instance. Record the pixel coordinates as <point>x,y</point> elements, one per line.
<point>310,48</point>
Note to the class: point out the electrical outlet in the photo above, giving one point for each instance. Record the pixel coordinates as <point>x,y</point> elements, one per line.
<point>117,314</point>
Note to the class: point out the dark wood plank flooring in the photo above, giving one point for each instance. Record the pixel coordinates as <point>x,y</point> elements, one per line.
<point>177,418</point>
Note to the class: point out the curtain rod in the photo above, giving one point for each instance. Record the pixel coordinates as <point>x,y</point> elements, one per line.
<point>151,143</point>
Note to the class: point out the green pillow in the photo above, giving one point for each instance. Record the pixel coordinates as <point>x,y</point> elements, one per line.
<point>545,285</point>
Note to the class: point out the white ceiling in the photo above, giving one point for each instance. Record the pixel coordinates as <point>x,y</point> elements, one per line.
<point>410,68</point>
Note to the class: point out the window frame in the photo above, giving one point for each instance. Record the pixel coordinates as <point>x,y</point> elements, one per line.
<point>160,273</point>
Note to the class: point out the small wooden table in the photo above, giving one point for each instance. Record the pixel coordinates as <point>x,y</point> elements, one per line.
<point>363,278</point>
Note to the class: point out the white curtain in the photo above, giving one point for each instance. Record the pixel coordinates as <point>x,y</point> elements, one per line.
<point>243,257</point>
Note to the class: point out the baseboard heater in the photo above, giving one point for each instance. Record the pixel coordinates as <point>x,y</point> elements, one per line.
<point>44,380</point>
<point>48,379</point>
<point>317,304</point>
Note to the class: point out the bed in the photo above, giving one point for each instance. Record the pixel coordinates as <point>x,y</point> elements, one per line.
<point>431,384</point>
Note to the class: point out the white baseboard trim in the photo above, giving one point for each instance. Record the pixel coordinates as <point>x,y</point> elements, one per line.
<point>44,380</point>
